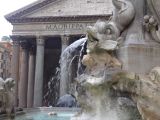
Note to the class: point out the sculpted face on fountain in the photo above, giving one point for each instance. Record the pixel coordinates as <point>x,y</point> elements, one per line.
<point>106,35</point>
<point>101,37</point>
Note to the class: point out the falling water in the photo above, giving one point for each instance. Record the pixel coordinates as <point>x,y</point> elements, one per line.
<point>62,76</point>
<point>80,69</point>
<point>52,95</point>
<point>71,52</point>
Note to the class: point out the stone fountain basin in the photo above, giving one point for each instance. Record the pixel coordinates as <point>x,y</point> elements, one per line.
<point>42,113</point>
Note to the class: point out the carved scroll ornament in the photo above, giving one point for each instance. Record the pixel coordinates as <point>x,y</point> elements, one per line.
<point>152,23</point>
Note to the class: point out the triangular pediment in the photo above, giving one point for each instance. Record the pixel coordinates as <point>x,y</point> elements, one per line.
<point>60,8</point>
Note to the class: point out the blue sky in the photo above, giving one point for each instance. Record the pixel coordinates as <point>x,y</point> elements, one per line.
<point>7,6</point>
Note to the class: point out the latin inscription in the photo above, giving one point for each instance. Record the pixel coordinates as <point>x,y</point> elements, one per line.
<point>67,26</point>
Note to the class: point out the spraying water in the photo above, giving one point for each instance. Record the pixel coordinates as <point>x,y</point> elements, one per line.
<point>63,76</point>
<point>72,51</point>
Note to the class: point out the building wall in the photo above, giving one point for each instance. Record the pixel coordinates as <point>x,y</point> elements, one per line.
<point>5,59</point>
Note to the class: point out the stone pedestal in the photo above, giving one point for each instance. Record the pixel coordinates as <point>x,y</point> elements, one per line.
<point>31,77</point>
<point>15,66</point>
<point>139,58</point>
<point>38,88</point>
<point>24,75</point>
<point>64,81</point>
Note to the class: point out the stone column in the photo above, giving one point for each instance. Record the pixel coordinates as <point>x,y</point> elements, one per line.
<point>24,75</point>
<point>64,69</point>
<point>15,66</point>
<point>38,88</point>
<point>31,77</point>
<point>64,41</point>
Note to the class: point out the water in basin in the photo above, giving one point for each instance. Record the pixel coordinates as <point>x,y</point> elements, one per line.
<point>44,116</point>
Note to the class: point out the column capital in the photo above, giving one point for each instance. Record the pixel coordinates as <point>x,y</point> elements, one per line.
<point>24,44</point>
<point>16,40</point>
<point>40,40</point>
<point>65,39</point>
<point>32,49</point>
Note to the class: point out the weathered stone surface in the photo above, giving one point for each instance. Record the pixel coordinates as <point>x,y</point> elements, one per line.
<point>139,58</point>
<point>144,90</point>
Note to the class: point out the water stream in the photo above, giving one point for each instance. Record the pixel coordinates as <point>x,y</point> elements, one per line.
<point>70,53</point>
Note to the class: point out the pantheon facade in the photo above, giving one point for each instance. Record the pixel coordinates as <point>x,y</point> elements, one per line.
<point>41,31</point>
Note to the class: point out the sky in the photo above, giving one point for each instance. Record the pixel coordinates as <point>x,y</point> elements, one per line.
<point>8,6</point>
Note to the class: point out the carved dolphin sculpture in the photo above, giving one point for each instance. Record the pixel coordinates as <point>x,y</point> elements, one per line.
<point>103,32</point>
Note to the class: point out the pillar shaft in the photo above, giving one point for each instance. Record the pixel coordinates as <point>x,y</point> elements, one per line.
<point>23,76</point>
<point>64,69</point>
<point>38,88</point>
<point>15,67</point>
<point>31,77</point>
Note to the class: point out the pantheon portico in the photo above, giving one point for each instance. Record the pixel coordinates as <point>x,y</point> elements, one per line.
<point>41,31</point>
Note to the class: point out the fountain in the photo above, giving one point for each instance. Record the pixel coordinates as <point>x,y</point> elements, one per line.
<point>107,91</point>
<point>112,85</point>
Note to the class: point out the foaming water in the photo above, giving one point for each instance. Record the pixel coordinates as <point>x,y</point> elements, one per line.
<point>100,102</point>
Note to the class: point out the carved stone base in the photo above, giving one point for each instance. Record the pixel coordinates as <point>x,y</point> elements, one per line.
<point>139,58</point>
